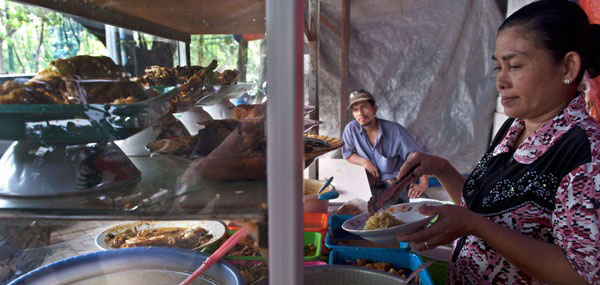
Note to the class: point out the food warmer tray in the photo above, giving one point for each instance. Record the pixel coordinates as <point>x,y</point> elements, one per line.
<point>68,149</point>
<point>80,123</point>
<point>158,196</point>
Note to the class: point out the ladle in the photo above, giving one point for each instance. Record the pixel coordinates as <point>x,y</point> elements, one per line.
<point>331,194</point>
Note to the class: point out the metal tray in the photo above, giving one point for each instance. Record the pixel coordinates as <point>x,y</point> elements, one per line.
<point>132,266</point>
<point>80,123</point>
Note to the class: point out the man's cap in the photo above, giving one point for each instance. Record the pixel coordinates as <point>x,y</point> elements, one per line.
<point>360,96</point>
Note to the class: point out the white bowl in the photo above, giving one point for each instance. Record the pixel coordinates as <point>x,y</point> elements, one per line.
<point>191,118</point>
<point>136,145</point>
<point>221,110</point>
<point>215,228</point>
<point>407,212</point>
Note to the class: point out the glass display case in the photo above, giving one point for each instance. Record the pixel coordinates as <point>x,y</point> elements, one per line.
<point>77,160</point>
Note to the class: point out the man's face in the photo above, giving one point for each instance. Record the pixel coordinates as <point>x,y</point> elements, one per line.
<point>364,113</point>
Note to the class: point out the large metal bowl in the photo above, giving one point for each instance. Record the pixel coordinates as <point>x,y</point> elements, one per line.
<point>148,266</point>
<point>342,275</point>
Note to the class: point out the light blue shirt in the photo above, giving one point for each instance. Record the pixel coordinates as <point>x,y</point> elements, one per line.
<point>391,149</point>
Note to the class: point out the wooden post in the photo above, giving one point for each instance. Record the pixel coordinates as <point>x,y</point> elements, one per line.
<point>345,61</point>
<point>262,77</point>
<point>183,53</point>
<point>313,77</point>
<point>242,61</point>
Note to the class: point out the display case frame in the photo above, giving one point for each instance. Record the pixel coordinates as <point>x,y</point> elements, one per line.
<point>284,146</point>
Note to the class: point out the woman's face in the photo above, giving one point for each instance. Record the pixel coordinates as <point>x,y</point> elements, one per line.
<point>530,82</point>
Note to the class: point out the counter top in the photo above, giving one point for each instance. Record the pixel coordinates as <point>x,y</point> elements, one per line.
<point>350,180</point>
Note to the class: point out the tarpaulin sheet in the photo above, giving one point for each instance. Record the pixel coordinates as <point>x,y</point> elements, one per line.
<point>592,8</point>
<point>428,65</point>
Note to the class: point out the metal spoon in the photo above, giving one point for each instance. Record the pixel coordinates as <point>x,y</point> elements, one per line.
<point>417,271</point>
<point>327,182</point>
<point>217,255</point>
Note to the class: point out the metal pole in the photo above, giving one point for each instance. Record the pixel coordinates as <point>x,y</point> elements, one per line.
<point>313,81</point>
<point>284,140</point>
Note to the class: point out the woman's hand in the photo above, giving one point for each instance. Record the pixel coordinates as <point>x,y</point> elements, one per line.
<point>424,164</point>
<point>452,223</point>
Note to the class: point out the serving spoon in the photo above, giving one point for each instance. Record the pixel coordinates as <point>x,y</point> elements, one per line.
<point>332,194</point>
<point>217,255</point>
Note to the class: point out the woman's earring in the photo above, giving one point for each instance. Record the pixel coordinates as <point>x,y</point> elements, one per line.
<point>567,81</point>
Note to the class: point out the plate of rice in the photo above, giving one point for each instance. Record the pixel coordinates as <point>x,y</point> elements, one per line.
<point>384,226</point>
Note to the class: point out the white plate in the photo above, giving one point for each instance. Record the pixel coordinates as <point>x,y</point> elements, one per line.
<point>215,228</point>
<point>407,212</point>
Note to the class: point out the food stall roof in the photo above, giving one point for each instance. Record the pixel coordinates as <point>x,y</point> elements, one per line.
<point>173,19</point>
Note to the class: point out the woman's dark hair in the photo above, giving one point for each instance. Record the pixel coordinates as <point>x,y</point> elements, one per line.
<point>560,26</point>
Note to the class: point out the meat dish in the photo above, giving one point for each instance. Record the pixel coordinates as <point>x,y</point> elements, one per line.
<point>191,238</point>
<point>76,80</point>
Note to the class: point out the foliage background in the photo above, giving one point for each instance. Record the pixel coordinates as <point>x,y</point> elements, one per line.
<point>31,37</point>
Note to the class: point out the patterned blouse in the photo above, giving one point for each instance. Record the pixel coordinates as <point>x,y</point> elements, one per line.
<point>547,188</point>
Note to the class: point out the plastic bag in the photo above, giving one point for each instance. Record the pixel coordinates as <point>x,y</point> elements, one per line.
<point>592,97</point>
<point>353,207</point>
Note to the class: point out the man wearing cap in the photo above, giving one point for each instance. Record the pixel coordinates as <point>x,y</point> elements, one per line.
<point>378,145</point>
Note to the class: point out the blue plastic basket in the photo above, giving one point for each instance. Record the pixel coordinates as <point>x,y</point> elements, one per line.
<point>398,259</point>
<point>335,233</point>
<point>433,182</point>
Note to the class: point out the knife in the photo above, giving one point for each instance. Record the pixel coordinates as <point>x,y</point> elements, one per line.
<point>389,196</point>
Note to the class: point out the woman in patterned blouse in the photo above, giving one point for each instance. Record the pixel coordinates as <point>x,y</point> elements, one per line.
<point>530,209</point>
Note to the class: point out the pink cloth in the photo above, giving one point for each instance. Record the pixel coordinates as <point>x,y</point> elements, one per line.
<point>574,223</point>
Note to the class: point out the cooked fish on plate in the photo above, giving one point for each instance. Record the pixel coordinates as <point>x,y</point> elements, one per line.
<point>181,234</point>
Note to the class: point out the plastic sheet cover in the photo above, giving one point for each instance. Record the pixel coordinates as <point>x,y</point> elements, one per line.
<point>428,65</point>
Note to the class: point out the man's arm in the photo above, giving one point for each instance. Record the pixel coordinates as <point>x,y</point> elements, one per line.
<point>367,164</point>
<point>417,190</point>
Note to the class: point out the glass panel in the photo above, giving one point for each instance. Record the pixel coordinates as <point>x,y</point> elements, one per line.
<point>99,123</point>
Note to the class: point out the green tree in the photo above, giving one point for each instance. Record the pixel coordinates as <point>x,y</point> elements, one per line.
<point>32,37</point>
<point>223,48</point>
<point>12,17</point>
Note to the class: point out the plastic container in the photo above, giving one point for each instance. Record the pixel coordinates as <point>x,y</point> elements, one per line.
<point>404,259</point>
<point>342,275</point>
<point>238,263</point>
<point>311,198</point>
<point>338,238</point>
<point>246,264</point>
<point>315,239</point>
<point>437,270</point>
<point>313,222</point>
<point>433,182</point>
